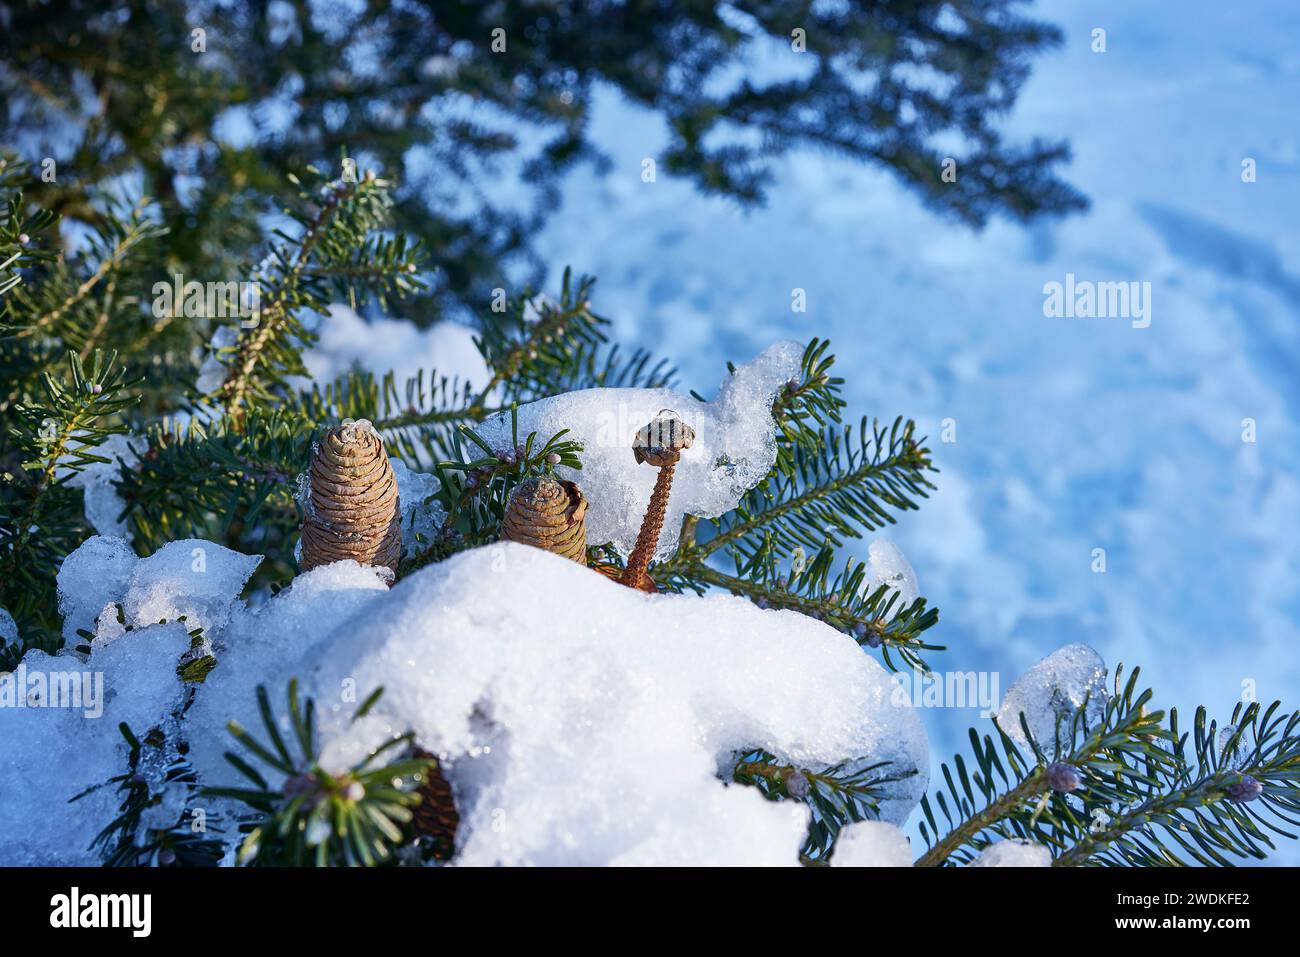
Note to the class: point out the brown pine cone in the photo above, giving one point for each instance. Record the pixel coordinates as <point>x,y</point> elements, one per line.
<point>350,500</point>
<point>436,817</point>
<point>549,514</point>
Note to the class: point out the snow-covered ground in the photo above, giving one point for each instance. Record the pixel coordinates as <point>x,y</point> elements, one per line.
<point>1071,434</point>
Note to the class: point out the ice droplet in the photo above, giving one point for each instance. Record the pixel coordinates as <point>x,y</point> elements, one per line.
<point>1053,691</point>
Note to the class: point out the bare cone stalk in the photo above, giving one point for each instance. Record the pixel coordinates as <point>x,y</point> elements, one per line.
<point>635,575</point>
<point>659,443</point>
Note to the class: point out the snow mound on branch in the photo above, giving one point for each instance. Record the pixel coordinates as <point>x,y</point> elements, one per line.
<point>872,844</point>
<point>735,446</point>
<point>262,643</point>
<point>213,371</point>
<point>194,579</point>
<point>91,578</point>
<point>583,722</point>
<point>1053,690</point>
<point>59,714</point>
<point>61,738</point>
<point>1013,853</point>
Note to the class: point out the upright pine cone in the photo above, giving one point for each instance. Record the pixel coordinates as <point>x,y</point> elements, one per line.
<point>435,817</point>
<point>547,513</point>
<point>350,501</point>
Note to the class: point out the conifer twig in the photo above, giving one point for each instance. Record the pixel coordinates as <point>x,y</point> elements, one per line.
<point>235,388</point>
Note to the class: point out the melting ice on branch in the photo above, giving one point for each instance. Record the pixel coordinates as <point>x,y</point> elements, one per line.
<point>1054,690</point>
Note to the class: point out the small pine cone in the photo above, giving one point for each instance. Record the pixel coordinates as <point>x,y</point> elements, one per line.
<point>436,817</point>
<point>549,514</point>
<point>350,501</point>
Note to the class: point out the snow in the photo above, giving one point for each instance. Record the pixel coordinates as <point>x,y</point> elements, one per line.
<point>51,754</point>
<point>1067,435</point>
<point>347,341</point>
<point>887,565</point>
<point>548,690</point>
<point>551,690</point>
<point>1068,680</point>
<point>194,579</point>
<point>422,515</point>
<point>734,448</point>
<point>1239,756</point>
<point>8,627</point>
<point>266,640</point>
<point>1013,853</point>
<point>102,503</point>
<point>90,578</point>
<point>212,373</point>
<point>871,844</point>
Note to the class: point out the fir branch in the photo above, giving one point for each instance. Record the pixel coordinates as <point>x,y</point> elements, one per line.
<point>426,399</point>
<point>824,487</point>
<point>1005,804</point>
<point>476,480</point>
<point>118,240</point>
<point>420,425</point>
<point>334,243</point>
<point>872,618</point>
<point>416,422</point>
<point>535,344</point>
<point>837,795</point>
<point>227,480</point>
<point>58,438</point>
<point>1201,799</point>
<point>536,349</point>
<point>1205,799</point>
<point>993,803</point>
<point>835,492</point>
<point>126,841</point>
<point>19,231</point>
<point>806,407</point>
<point>349,818</point>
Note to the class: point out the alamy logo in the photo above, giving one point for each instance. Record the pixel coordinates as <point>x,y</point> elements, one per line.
<point>947,689</point>
<point>29,688</point>
<point>208,300</point>
<point>132,911</point>
<point>1085,299</point>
